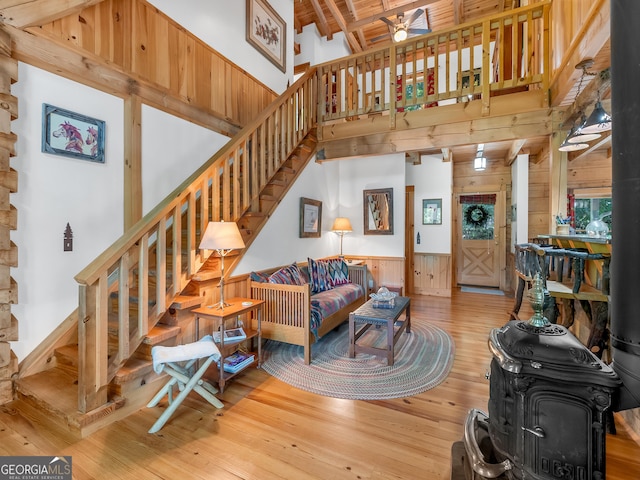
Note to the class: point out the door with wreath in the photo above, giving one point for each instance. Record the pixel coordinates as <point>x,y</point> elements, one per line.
<point>479,245</point>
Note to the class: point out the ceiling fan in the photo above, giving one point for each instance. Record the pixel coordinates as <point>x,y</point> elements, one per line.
<point>401,29</point>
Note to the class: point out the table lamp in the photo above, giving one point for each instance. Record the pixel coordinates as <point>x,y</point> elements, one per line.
<point>222,237</point>
<point>341,226</point>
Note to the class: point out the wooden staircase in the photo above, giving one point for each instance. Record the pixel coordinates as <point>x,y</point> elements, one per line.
<point>51,395</point>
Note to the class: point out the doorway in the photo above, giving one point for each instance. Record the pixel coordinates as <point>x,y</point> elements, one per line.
<point>479,260</point>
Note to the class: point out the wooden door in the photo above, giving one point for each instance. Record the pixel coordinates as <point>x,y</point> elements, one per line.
<point>479,244</point>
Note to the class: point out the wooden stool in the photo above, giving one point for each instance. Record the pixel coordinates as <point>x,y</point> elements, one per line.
<point>165,359</point>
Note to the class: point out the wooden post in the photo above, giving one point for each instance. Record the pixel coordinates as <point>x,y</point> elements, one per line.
<point>8,219</point>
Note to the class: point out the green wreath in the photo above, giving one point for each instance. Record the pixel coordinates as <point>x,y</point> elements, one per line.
<point>476,215</point>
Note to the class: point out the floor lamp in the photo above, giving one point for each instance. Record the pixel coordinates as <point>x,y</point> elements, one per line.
<point>341,226</point>
<point>222,237</point>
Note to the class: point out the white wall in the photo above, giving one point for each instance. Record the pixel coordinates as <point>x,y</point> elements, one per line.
<point>169,158</point>
<point>520,200</point>
<point>54,190</point>
<point>316,49</point>
<point>433,178</point>
<point>339,186</point>
<point>222,25</point>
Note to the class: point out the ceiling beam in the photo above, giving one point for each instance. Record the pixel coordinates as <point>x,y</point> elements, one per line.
<point>599,84</point>
<point>354,13</point>
<point>31,13</point>
<point>458,12</point>
<point>337,16</point>
<point>465,132</point>
<point>514,150</point>
<point>387,13</point>
<point>323,28</point>
<point>447,155</point>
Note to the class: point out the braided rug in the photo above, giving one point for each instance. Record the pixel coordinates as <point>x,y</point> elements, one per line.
<point>423,359</point>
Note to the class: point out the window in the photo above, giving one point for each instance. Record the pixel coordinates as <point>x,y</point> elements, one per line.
<point>589,206</point>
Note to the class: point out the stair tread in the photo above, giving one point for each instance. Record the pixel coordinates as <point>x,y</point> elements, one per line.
<point>160,333</point>
<point>134,368</point>
<point>186,301</point>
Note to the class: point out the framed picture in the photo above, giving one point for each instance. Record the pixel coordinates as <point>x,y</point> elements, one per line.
<point>432,211</point>
<point>267,32</point>
<point>72,135</point>
<point>310,218</point>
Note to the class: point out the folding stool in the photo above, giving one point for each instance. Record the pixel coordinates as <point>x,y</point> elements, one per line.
<point>165,360</point>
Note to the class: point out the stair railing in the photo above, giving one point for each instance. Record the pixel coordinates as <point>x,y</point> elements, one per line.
<point>125,291</point>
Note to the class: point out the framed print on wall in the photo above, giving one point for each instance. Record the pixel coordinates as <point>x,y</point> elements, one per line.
<point>310,218</point>
<point>70,134</point>
<point>267,32</point>
<point>432,211</point>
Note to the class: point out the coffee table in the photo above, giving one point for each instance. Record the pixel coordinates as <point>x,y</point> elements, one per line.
<point>387,317</point>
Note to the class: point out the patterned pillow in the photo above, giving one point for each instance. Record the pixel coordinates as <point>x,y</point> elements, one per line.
<point>259,277</point>
<point>338,271</point>
<point>319,276</point>
<point>290,275</point>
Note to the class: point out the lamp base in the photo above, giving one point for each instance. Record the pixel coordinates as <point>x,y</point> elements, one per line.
<point>221,304</point>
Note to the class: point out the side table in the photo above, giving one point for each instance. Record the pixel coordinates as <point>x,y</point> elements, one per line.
<point>220,316</point>
<point>386,317</point>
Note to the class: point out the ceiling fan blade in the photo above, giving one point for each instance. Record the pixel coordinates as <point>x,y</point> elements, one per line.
<point>380,37</point>
<point>414,16</point>
<point>388,22</point>
<point>419,31</point>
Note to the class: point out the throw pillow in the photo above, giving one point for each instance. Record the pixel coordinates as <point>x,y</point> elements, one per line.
<point>319,276</point>
<point>259,277</point>
<point>290,275</point>
<point>338,271</point>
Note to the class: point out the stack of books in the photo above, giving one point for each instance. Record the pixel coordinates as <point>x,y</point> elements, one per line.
<point>231,335</point>
<point>237,361</point>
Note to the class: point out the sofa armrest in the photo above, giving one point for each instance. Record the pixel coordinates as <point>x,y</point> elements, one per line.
<point>359,274</point>
<point>284,304</point>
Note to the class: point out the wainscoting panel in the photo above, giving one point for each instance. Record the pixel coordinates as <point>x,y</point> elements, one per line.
<point>432,274</point>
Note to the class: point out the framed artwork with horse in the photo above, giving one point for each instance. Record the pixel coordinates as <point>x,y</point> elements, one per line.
<point>71,134</point>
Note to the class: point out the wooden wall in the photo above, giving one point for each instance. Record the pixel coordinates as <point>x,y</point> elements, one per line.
<point>432,274</point>
<point>591,171</point>
<point>135,37</point>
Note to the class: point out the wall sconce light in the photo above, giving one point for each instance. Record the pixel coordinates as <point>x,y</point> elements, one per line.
<point>222,237</point>
<point>341,226</point>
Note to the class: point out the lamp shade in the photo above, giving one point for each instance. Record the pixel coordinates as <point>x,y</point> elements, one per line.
<point>599,121</point>
<point>221,236</point>
<point>580,136</point>
<point>341,224</point>
<point>571,147</point>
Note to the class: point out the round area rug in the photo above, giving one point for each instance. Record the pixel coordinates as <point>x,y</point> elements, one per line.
<point>423,359</point>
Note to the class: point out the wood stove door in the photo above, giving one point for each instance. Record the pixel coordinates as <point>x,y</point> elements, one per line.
<point>558,438</point>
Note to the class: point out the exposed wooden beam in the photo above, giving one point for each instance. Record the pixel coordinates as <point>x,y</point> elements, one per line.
<point>447,155</point>
<point>388,12</point>
<point>354,13</point>
<point>458,11</point>
<point>592,37</point>
<point>413,157</point>
<point>30,13</point>
<point>93,71</point>
<point>337,16</point>
<point>323,28</point>
<point>515,148</point>
<point>587,98</point>
<point>480,130</point>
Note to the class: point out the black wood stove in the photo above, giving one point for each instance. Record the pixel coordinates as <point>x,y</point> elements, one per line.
<point>547,407</point>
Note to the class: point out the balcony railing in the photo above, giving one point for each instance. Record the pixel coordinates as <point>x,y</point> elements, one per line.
<point>503,53</point>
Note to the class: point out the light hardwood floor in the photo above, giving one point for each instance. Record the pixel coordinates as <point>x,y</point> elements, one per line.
<point>268,430</point>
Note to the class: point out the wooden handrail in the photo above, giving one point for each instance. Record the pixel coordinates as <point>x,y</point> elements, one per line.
<point>127,288</point>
